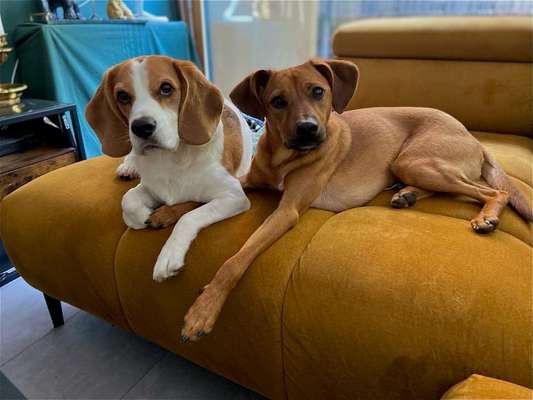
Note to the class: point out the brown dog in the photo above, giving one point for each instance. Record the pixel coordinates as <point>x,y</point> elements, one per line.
<point>322,159</point>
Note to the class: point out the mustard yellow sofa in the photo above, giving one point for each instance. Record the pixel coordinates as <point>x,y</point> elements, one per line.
<point>370,303</point>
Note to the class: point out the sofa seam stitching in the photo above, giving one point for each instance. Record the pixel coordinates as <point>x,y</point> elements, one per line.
<point>298,262</point>
<point>126,319</point>
<point>283,303</point>
<point>442,215</point>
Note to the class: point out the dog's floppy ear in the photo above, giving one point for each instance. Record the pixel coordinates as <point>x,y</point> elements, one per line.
<point>247,94</point>
<point>107,121</point>
<point>201,104</point>
<point>342,77</point>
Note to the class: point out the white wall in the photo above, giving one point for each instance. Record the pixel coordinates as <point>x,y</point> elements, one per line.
<point>282,33</point>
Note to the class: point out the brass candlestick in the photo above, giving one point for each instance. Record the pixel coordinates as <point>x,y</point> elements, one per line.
<point>9,92</point>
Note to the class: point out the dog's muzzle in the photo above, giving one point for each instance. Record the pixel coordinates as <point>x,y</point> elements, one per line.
<point>308,136</point>
<point>143,127</point>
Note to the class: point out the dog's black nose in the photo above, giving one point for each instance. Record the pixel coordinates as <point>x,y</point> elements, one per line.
<point>306,128</point>
<point>143,127</point>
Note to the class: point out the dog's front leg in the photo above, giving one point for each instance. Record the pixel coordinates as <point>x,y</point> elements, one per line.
<point>172,255</point>
<point>137,205</point>
<point>168,215</point>
<point>203,314</point>
<point>127,170</point>
<point>303,188</point>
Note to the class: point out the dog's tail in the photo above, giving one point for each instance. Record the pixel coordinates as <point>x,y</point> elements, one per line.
<point>496,177</point>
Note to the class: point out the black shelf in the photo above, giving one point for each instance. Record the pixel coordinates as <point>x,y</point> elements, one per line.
<point>28,116</point>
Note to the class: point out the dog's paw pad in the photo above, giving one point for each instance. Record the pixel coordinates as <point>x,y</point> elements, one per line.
<point>484,224</point>
<point>166,266</point>
<point>161,218</point>
<point>403,200</point>
<point>126,172</point>
<point>201,317</point>
<point>153,224</point>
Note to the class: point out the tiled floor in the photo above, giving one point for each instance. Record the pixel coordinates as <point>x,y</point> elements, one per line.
<point>89,359</point>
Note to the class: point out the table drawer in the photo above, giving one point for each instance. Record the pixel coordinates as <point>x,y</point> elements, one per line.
<point>13,179</point>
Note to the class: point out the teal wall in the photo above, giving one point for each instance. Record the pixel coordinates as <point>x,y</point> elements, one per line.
<point>15,12</point>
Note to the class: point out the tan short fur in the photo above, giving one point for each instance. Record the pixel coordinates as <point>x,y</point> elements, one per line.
<point>358,154</point>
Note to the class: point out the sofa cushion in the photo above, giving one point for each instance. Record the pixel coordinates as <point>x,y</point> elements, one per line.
<point>452,38</point>
<point>404,305</point>
<point>481,387</point>
<point>484,96</point>
<point>88,257</point>
<point>245,344</point>
<point>62,230</point>
<point>515,154</point>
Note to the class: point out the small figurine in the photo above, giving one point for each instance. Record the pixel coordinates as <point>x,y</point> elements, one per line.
<point>116,9</point>
<point>70,8</point>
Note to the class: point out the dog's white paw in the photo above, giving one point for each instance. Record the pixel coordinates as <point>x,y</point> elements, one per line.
<point>127,171</point>
<point>137,219</point>
<point>169,262</point>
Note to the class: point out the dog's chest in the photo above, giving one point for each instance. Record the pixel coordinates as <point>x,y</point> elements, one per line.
<point>172,179</point>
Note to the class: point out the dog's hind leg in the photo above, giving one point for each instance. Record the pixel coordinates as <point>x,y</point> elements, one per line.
<point>408,196</point>
<point>439,175</point>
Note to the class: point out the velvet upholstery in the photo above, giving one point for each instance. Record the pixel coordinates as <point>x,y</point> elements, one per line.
<point>472,38</point>
<point>408,304</point>
<point>481,387</point>
<point>484,96</point>
<point>369,303</point>
<point>61,232</point>
<point>249,329</point>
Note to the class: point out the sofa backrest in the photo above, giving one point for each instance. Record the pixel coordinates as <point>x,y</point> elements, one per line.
<point>478,69</point>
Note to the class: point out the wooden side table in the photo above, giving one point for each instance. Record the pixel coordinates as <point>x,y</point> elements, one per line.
<point>35,138</point>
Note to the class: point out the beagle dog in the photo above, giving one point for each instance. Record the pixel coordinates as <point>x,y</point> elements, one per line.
<point>187,143</point>
<point>321,158</point>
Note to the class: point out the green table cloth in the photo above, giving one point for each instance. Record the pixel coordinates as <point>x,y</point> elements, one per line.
<point>65,62</point>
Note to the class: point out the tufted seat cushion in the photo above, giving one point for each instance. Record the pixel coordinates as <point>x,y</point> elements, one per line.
<point>482,387</point>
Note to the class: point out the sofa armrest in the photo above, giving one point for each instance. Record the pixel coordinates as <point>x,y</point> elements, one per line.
<point>449,38</point>
<point>465,66</point>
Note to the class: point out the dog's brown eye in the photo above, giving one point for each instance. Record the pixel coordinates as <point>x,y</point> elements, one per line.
<point>278,102</point>
<point>317,92</point>
<point>123,97</point>
<point>166,89</point>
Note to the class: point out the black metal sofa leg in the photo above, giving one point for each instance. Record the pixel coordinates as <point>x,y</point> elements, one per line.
<point>55,310</point>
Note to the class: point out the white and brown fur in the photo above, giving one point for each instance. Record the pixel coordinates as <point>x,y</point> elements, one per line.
<point>189,165</point>
<point>341,161</point>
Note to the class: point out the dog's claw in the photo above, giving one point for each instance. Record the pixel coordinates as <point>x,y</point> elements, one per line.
<point>200,333</point>
<point>403,200</point>
<point>149,223</point>
<point>184,339</point>
<point>485,225</point>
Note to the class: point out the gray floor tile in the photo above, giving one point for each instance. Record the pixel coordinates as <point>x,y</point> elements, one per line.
<point>86,358</point>
<point>8,391</point>
<point>176,378</point>
<point>24,317</point>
